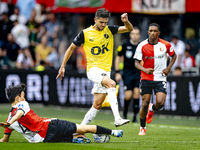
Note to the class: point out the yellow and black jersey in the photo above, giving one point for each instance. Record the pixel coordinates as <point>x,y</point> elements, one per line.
<point>98,46</point>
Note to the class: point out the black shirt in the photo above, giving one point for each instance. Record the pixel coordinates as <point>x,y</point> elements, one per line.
<point>128,50</point>
<point>5,28</point>
<point>12,50</point>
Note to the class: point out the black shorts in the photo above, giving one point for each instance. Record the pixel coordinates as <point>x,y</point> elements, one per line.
<point>131,79</point>
<point>60,131</point>
<point>147,86</point>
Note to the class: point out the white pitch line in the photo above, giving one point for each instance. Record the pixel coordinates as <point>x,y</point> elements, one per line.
<point>171,127</point>
<point>156,141</point>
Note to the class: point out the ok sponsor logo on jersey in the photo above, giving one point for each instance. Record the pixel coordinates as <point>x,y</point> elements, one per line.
<point>96,50</point>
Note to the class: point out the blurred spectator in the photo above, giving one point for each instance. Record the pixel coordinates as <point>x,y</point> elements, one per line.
<point>5,27</point>
<point>3,7</point>
<point>61,51</point>
<point>47,12</point>
<point>33,27</point>
<point>42,50</point>
<point>177,71</point>
<point>3,59</point>
<point>41,33</point>
<point>11,7</point>
<point>52,28</point>
<point>40,12</point>
<point>24,60</point>
<point>12,50</point>
<point>26,7</point>
<point>41,66</point>
<point>32,24</point>
<point>179,47</point>
<point>52,59</point>
<point>188,61</point>
<point>81,61</point>
<point>16,16</point>
<point>20,33</point>
<point>42,28</point>
<point>197,59</point>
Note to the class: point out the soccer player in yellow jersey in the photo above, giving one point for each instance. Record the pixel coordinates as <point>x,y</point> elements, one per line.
<point>98,45</point>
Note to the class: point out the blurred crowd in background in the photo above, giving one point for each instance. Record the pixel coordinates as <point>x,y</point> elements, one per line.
<point>33,37</point>
<point>29,37</point>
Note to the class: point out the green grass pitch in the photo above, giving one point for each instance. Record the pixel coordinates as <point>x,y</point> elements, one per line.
<point>164,133</point>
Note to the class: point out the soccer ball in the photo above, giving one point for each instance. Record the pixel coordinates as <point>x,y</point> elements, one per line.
<point>101,138</point>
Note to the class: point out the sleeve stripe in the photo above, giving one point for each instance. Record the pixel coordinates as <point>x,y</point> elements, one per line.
<point>21,109</point>
<point>7,133</point>
<point>138,60</point>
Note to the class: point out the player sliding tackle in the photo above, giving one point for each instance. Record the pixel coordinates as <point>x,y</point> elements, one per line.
<point>37,129</point>
<point>98,44</point>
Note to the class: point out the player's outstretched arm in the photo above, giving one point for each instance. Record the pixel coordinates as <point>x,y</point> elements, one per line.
<point>68,53</point>
<point>128,27</point>
<point>5,138</point>
<point>140,67</point>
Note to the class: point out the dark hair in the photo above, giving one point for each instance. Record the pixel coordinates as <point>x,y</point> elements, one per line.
<point>13,91</point>
<point>136,28</point>
<point>155,24</point>
<point>187,50</point>
<point>4,13</point>
<point>178,68</point>
<point>42,62</point>
<point>175,37</point>
<point>102,13</point>
<point>16,7</point>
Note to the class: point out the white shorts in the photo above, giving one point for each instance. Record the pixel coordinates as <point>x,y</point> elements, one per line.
<point>96,75</point>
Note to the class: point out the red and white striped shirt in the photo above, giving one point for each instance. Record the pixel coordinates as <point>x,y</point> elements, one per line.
<point>154,56</point>
<point>30,125</point>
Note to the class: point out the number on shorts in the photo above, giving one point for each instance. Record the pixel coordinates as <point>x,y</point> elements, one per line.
<point>164,85</point>
<point>24,129</point>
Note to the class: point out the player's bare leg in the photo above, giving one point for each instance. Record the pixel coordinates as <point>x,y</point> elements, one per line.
<point>160,100</point>
<point>98,100</point>
<point>144,107</point>
<point>111,90</point>
<point>143,113</point>
<point>97,103</point>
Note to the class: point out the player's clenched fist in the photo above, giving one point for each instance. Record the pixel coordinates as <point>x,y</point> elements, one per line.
<point>124,17</point>
<point>149,71</point>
